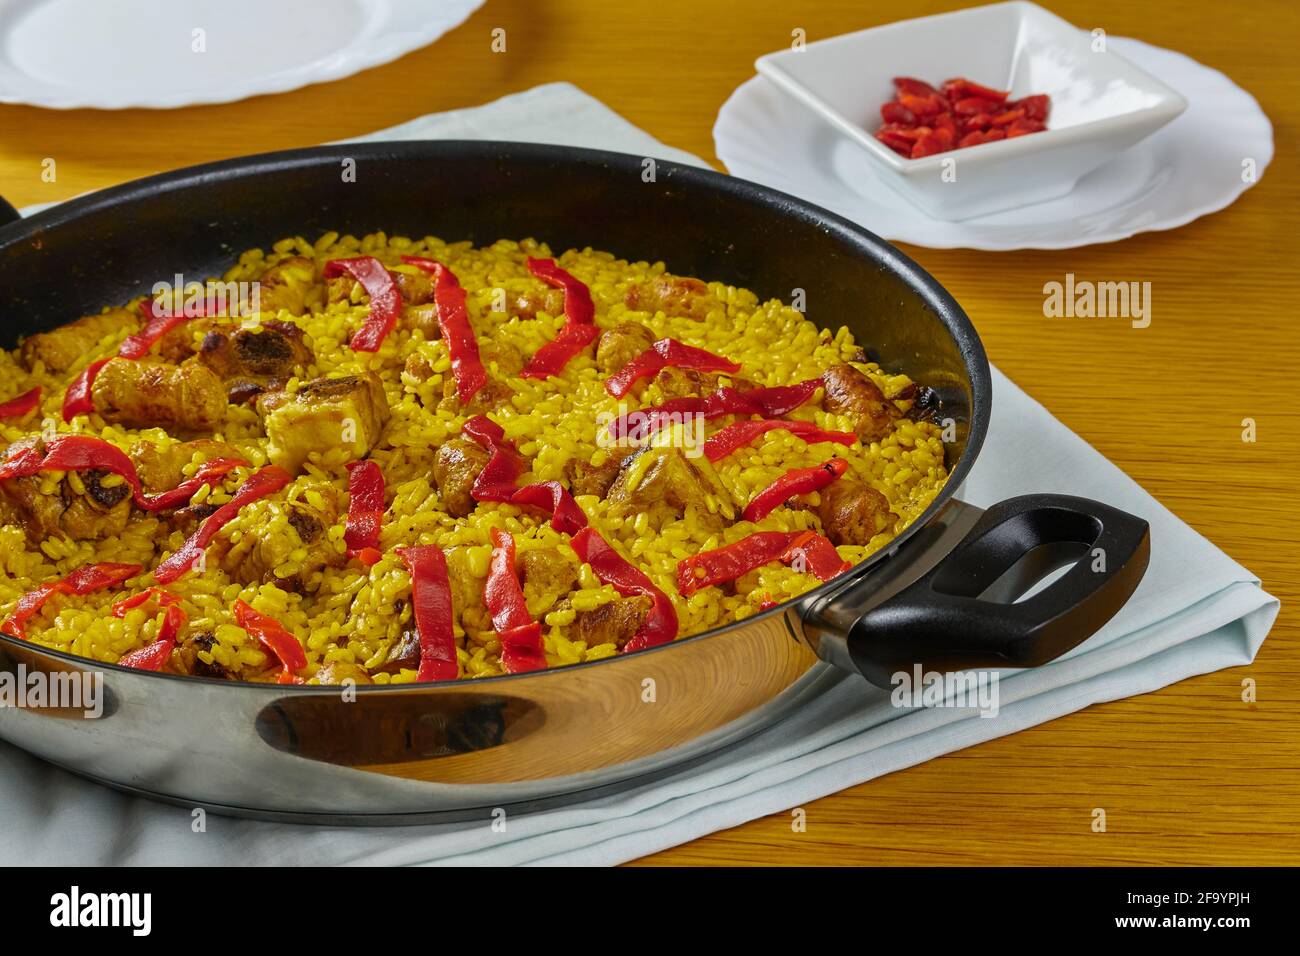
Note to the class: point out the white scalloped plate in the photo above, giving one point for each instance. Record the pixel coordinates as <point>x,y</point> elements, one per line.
<point>1190,168</point>
<point>162,54</point>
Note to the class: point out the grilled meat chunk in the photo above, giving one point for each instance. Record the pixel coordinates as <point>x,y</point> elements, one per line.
<point>254,360</point>
<point>621,344</point>
<point>526,305</point>
<point>86,505</point>
<point>681,382</point>
<point>315,508</point>
<point>160,467</point>
<point>325,413</point>
<point>187,659</point>
<point>614,623</point>
<point>507,358</point>
<point>456,467</point>
<point>850,392</point>
<point>853,512</point>
<point>493,396</point>
<point>285,285</point>
<point>663,484</point>
<point>403,655</point>
<point>413,284</point>
<point>187,398</point>
<point>672,295</point>
<point>546,577</point>
<point>62,348</point>
<point>585,478</point>
<point>336,672</point>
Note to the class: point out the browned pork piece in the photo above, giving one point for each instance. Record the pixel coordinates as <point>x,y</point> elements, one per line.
<point>414,284</point>
<point>672,295</point>
<point>681,382</point>
<point>81,508</point>
<point>850,392</point>
<point>403,655</point>
<point>585,478</point>
<point>323,414</point>
<point>285,285</point>
<point>526,305</point>
<point>614,623</point>
<point>186,658</point>
<point>255,558</point>
<point>546,577</point>
<point>62,348</point>
<point>668,485</point>
<point>853,512</point>
<point>493,396</point>
<point>336,672</point>
<point>186,398</point>
<point>160,466</point>
<point>256,359</point>
<point>456,467</point>
<point>621,344</point>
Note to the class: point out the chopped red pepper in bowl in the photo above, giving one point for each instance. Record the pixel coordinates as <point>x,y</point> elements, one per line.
<point>921,120</point>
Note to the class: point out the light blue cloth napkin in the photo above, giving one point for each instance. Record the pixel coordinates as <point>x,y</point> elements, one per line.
<point>1196,611</point>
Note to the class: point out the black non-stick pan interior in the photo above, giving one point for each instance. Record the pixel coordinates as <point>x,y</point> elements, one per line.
<point>111,246</point>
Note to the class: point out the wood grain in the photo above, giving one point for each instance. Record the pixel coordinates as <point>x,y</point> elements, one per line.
<point>1187,775</point>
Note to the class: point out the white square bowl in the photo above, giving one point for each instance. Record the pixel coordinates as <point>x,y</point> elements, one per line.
<point>1101,103</point>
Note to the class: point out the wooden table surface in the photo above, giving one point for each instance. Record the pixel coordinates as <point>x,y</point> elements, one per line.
<point>1187,775</point>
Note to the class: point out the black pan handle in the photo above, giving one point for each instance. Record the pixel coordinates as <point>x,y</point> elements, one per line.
<point>8,213</point>
<point>963,613</point>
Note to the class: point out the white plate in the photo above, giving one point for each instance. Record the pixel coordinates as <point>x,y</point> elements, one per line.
<point>1191,167</point>
<point>161,54</point>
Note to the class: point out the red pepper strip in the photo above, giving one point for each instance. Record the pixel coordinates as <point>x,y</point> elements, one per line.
<point>153,657</point>
<point>767,402</point>
<point>567,516</point>
<point>613,569</point>
<point>164,597</point>
<point>796,481</point>
<point>156,325</point>
<point>274,637</point>
<point>497,480</point>
<point>77,400</point>
<point>84,580</point>
<point>662,354</point>
<point>579,321</point>
<point>385,300</point>
<point>87,453</point>
<point>262,483</point>
<point>365,511</point>
<point>730,562</point>
<point>521,635</point>
<point>551,358</point>
<point>431,597</point>
<point>20,406</point>
<point>739,434</point>
<point>453,322</point>
<point>812,553</point>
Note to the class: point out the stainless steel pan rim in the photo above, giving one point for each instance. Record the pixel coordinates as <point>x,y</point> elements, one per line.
<point>412,752</point>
